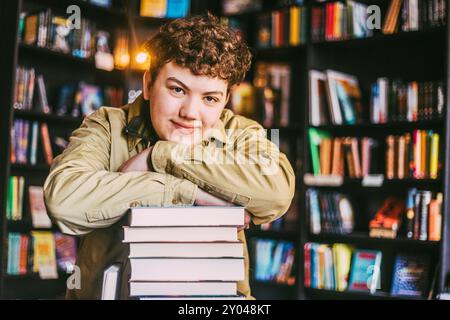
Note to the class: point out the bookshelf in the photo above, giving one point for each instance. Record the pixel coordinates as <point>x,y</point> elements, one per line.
<point>58,68</point>
<point>410,55</point>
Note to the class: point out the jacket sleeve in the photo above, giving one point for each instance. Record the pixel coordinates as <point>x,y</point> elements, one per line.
<point>81,194</point>
<point>251,172</point>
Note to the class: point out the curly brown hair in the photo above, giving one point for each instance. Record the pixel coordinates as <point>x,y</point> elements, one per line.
<point>204,45</point>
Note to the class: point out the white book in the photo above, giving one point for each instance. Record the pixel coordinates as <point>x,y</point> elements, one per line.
<point>179,288</point>
<point>187,216</point>
<point>180,234</point>
<point>110,282</point>
<point>187,269</point>
<point>187,250</point>
<point>315,104</point>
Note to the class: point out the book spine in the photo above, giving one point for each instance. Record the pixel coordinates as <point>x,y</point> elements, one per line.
<point>417,209</point>
<point>424,213</point>
<point>435,226</point>
<point>46,143</point>
<point>390,157</point>
<point>434,158</point>
<point>410,213</point>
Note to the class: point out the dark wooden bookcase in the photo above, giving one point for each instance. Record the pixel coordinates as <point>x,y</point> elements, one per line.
<point>57,68</point>
<point>420,56</point>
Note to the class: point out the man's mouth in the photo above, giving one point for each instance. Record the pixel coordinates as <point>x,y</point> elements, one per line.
<point>185,127</point>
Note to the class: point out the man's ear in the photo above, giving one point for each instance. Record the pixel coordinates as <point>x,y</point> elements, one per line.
<point>146,83</point>
<point>227,99</point>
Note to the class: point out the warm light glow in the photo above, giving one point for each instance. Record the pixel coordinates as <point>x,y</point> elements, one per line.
<point>124,60</point>
<point>141,57</point>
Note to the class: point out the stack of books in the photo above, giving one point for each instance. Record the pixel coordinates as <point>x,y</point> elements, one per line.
<point>185,252</point>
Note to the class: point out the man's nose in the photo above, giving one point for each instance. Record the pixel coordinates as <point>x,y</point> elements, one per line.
<point>189,109</point>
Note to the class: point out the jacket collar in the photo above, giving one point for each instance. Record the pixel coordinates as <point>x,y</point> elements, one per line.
<point>139,128</point>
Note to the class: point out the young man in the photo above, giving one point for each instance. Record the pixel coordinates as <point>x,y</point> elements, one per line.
<point>175,145</point>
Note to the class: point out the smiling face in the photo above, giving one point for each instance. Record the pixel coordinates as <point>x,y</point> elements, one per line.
<point>184,107</point>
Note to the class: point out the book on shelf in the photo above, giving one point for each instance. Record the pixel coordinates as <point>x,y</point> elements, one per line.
<point>388,218</point>
<point>365,272</point>
<point>39,216</point>
<point>66,252</point>
<point>410,275</point>
<point>102,3</point>
<point>44,29</point>
<point>423,219</point>
<point>327,266</point>
<point>230,7</point>
<point>319,109</point>
<point>272,89</point>
<point>164,8</point>
<point>177,8</point>
<point>335,97</point>
<point>40,253</point>
<point>329,212</point>
<point>413,155</point>
<point>414,15</point>
<point>396,100</point>
<point>44,254</point>
<point>14,207</point>
<point>282,27</point>
<point>186,216</point>
<point>48,150</point>
<point>342,156</point>
<point>26,143</point>
<point>338,20</point>
<point>274,261</point>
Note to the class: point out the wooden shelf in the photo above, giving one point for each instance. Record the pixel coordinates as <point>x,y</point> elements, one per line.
<point>280,53</point>
<point>358,183</point>
<point>44,117</point>
<point>25,49</point>
<point>34,277</point>
<point>29,167</point>
<point>88,9</point>
<point>272,284</point>
<point>354,295</point>
<point>26,226</point>
<point>385,127</point>
<point>364,239</point>
<point>275,234</point>
<point>378,39</point>
<point>149,21</point>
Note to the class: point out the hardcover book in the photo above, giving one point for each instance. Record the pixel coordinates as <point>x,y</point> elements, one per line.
<point>365,271</point>
<point>411,275</point>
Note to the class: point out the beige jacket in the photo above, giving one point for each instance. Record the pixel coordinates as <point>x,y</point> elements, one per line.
<point>86,196</point>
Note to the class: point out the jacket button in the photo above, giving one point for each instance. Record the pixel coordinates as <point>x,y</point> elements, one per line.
<point>134,204</point>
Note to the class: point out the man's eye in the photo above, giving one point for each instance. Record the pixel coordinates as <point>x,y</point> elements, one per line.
<point>177,90</point>
<point>211,99</point>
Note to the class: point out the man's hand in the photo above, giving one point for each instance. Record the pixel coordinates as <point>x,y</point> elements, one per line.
<point>137,163</point>
<point>206,199</point>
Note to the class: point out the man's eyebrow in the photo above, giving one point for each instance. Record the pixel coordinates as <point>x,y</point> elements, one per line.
<point>179,82</point>
<point>187,88</point>
<point>213,92</point>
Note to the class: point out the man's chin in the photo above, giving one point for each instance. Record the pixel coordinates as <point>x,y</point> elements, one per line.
<point>189,140</point>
